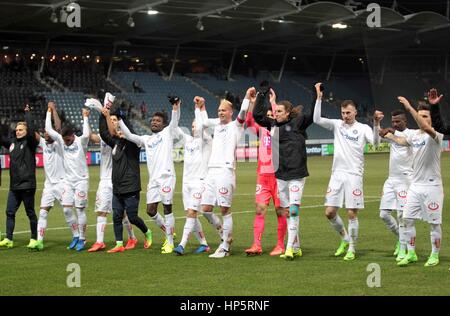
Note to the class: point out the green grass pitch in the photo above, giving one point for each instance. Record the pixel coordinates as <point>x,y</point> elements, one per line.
<point>148,272</point>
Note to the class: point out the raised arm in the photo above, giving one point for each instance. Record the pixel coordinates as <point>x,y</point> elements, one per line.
<point>103,128</point>
<point>250,96</point>
<point>260,111</point>
<point>317,117</point>
<point>439,124</point>
<point>423,124</point>
<point>86,128</point>
<point>56,119</point>
<point>32,141</point>
<point>173,125</point>
<point>377,118</point>
<point>49,128</point>
<point>138,140</point>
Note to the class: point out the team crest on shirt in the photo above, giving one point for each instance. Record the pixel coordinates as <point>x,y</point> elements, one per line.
<point>402,194</point>
<point>197,195</point>
<point>433,206</point>
<point>355,131</point>
<point>166,189</point>
<point>357,192</point>
<point>258,188</point>
<point>295,188</point>
<point>11,147</point>
<point>223,191</point>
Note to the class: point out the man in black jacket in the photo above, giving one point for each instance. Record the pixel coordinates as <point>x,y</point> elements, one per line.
<point>440,124</point>
<point>289,159</point>
<point>126,179</point>
<point>22,187</point>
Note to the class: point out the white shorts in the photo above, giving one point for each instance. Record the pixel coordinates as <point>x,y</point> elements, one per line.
<point>394,194</point>
<point>425,202</point>
<point>192,195</point>
<point>76,193</point>
<point>103,200</point>
<point>219,187</point>
<point>345,186</point>
<point>290,192</point>
<point>51,193</point>
<point>161,190</point>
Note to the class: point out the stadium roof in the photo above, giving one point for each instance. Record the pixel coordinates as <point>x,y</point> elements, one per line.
<point>255,25</point>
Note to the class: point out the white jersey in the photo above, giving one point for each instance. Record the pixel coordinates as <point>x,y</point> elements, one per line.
<point>349,142</point>
<point>400,157</point>
<point>74,155</point>
<point>225,141</point>
<point>158,148</point>
<point>53,161</point>
<point>105,161</point>
<point>196,152</point>
<point>426,157</point>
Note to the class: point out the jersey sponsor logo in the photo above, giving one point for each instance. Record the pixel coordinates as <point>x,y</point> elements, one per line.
<point>197,195</point>
<point>11,147</point>
<point>294,188</point>
<point>433,206</point>
<point>223,191</point>
<point>72,148</point>
<point>402,194</point>
<point>166,189</point>
<point>192,149</point>
<point>357,192</point>
<point>346,136</point>
<point>258,188</point>
<point>267,141</point>
<point>153,144</point>
<point>417,144</point>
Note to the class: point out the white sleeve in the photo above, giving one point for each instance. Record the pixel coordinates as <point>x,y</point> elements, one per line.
<point>173,125</point>
<point>409,137</point>
<point>368,134</point>
<point>50,131</point>
<point>376,135</point>
<point>319,120</point>
<point>138,140</point>
<point>439,138</point>
<point>198,120</point>
<point>240,120</point>
<point>86,132</point>
<point>207,122</point>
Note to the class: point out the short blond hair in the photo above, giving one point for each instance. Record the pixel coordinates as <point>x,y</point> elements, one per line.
<point>226,102</point>
<point>22,123</point>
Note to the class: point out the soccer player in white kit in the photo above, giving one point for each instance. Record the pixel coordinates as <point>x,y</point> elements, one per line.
<point>197,149</point>
<point>76,182</point>
<point>426,193</point>
<point>396,186</point>
<point>54,177</point>
<point>103,201</point>
<point>161,171</point>
<point>346,182</point>
<point>221,180</point>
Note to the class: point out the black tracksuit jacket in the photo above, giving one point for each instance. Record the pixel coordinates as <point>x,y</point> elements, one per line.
<point>126,173</point>
<point>440,123</point>
<point>292,159</point>
<point>22,153</point>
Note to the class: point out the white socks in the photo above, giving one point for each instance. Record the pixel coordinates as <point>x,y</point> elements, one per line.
<point>436,236</point>
<point>42,224</point>
<point>198,231</point>
<point>390,221</point>
<point>159,221</point>
<point>189,226</point>
<point>71,221</point>
<point>101,224</point>
<point>410,233</point>
<point>170,228</point>
<point>353,227</point>
<point>401,231</point>
<point>227,230</point>
<point>214,220</point>
<point>293,223</point>
<point>82,223</point>
<point>338,225</point>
